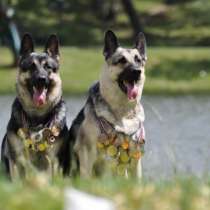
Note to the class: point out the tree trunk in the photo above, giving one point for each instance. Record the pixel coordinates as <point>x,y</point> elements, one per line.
<point>133,16</point>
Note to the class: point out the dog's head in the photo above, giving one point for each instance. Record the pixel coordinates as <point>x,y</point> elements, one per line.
<point>126,66</point>
<point>38,80</point>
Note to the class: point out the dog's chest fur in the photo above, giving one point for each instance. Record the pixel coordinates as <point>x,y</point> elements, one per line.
<point>127,124</point>
<point>20,120</point>
<point>89,130</point>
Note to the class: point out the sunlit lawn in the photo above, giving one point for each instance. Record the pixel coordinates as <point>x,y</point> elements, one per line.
<point>169,70</point>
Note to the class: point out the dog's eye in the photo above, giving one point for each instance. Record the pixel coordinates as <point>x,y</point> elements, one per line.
<point>137,59</point>
<point>24,68</point>
<point>47,66</point>
<point>28,67</point>
<point>122,60</point>
<point>50,67</point>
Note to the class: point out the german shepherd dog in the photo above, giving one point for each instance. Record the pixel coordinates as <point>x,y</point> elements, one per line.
<point>108,132</point>
<point>36,134</point>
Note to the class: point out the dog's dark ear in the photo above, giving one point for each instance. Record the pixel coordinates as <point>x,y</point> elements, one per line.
<point>140,45</point>
<point>110,44</point>
<point>52,46</point>
<point>27,45</point>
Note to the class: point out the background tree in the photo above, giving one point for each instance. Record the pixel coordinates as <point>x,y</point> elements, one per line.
<point>133,16</point>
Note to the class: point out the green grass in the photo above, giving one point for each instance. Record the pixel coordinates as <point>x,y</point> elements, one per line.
<point>168,70</point>
<point>38,193</point>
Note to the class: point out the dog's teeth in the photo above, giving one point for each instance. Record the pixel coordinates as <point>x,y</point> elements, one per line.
<point>125,83</point>
<point>34,88</point>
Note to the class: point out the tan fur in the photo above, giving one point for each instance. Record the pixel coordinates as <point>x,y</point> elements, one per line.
<point>126,112</point>
<point>118,100</point>
<point>53,95</point>
<point>23,158</point>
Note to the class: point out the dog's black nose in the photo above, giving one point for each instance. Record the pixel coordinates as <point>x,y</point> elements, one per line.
<point>135,73</point>
<point>134,70</point>
<point>41,81</point>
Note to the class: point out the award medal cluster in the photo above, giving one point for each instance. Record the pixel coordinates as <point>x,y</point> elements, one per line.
<point>121,150</point>
<point>41,140</point>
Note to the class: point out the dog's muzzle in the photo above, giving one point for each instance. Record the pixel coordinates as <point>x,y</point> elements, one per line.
<point>41,81</point>
<point>128,80</point>
<point>40,85</point>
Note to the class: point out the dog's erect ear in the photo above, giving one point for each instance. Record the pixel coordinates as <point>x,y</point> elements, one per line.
<point>27,45</point>
<point>52,46</point>
<point>110,44</point>
<point>140,45</point>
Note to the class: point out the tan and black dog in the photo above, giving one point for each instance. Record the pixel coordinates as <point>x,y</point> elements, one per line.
<point>108,132</point>
<point>37,133</point>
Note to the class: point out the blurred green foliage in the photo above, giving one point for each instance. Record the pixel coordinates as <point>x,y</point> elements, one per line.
<point>127,194</point>
<point>83,22</point>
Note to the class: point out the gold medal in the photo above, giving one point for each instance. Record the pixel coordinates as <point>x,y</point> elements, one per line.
<point>51,139</point>
<point>124,158</point>
<point>22,133</point>
<point>136,154</point>
<point>100,145</point>
<point>55,131</point>
<point>111,151</point>
<point>125,144</point>
<point>28,143</point>
<point>48,136</point>
<point>41,147</point>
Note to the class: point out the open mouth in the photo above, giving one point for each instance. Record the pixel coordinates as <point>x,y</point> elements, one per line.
<point>128,83</point>
<point>131,90</point>
<point>39,96</point>
<point>39,89</point>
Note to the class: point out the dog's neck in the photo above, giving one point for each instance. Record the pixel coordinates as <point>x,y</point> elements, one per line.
<point>32,111</point>
<point>116,99</point>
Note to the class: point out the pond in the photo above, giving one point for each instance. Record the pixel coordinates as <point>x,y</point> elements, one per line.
<point>177,131</point>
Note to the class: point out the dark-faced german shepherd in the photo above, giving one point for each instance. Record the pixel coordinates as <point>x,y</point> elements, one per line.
<point>36,133</point>
<point>109,129</point>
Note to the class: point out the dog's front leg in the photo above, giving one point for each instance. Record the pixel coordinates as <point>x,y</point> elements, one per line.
<point>139,169</point>
<point>136,169</point>
<point>13,170</point>
<point>16,156</point>
<point>86,152</point>
<point>59,129</point>
<point>86,160</point>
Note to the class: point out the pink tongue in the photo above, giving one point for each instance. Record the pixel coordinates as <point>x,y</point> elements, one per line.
<point>39,97</point>
<point>132,91</point>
